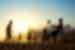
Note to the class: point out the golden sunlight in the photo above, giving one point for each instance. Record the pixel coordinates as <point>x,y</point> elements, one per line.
<point>21,25</point>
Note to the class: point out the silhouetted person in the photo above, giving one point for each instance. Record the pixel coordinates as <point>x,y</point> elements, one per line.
<point>8,30</point>
<point>29,35</point>
<point>58,31</point>
<point>61,31</point>
<point>59,28</point>
<point>45,32</point>
<point>20,36</point>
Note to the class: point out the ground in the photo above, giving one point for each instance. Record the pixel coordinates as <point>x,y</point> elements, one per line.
<point>69,44</point>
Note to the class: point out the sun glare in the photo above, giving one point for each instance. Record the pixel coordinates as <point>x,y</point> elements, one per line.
<point>21,25</point>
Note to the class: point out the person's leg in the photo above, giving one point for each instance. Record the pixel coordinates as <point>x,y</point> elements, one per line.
<point>43,39</point>
<point>52,40</point>
<point>60,38</point>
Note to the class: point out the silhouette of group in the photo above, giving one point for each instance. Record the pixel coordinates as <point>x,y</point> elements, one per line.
<point>59,30</point>
<point>46,36</point>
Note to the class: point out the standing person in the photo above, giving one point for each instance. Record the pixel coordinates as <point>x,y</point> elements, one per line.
<point>45,32</point>
<point>45,35</point>
<point>8,30</point>
<point>60,29</point>
<point>20,36</point>
<point>29,36</point>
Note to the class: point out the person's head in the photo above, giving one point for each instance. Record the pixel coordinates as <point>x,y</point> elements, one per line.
<point>60,20</point>
<point>10,22</point>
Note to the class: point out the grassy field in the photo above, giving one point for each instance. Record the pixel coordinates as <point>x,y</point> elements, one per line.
<point>69,44</point>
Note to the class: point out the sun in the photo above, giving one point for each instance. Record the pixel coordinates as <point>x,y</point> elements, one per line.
<point>21,25</point>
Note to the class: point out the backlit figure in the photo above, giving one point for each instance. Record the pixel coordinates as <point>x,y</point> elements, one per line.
<point>8,30</point>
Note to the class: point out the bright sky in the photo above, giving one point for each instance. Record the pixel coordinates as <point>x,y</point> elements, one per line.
<point>38,10</point>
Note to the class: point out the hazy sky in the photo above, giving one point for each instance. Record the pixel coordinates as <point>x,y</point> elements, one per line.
<point>38,9</point>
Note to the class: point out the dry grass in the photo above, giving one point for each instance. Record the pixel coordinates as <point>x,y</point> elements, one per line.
<point>68,44</point>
